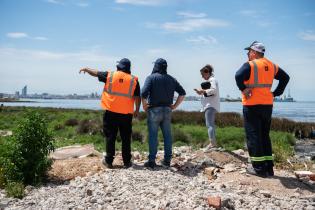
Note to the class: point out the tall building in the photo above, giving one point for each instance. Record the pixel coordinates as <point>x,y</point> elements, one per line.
<point>17,94</point>
<point>24,91</point>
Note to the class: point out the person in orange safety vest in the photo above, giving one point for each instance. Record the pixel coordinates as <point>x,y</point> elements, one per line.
<point>255,80</point>
<point>121,95</point>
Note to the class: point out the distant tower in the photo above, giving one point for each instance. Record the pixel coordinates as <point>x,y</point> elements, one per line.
<point>17,94</point>
<point>24,91</point>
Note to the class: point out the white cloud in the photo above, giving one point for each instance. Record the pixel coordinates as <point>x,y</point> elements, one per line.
<point>20,35</point>
<point>193,24</point>
<point>73,2</point>
<point>203,40</point>
<point>140,2</point>
<point>17,35</point>
<point>250,13</point>
<point>82,4</point>
<point>55,2</point>
<point>191,14</point>
<point>41,38</point>
<point>307,36</point>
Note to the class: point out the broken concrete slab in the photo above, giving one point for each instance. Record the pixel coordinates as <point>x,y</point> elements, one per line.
<point>76,151</point>
<point>303,174</point>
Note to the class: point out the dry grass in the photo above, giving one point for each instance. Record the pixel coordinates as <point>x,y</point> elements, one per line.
<point>63,170</point>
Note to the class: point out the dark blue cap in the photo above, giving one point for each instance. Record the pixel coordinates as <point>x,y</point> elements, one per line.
<point>160,66</point>
<point>124,64</point>
<point>161,62</point>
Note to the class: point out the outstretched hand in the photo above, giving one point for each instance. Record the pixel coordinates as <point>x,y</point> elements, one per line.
<point>199,91</point>
<point>84,70</point>
<point>91,72</point>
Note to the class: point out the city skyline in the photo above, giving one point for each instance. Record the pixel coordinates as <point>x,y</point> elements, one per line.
<point>47,48</point>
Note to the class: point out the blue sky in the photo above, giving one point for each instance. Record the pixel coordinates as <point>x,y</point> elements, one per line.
<point>44,43</point>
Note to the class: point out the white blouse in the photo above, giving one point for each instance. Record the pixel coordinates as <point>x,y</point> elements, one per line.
<point>213,99</point>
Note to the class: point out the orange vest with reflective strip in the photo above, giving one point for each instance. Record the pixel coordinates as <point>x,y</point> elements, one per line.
<point>262,74</point>
<point>118,92</point>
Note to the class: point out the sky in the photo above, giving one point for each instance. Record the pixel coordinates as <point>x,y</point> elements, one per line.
<point>44,43</point>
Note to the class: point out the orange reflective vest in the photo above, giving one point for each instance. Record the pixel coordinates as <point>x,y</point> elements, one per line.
<point>118,92</point>
<point>262,74</point>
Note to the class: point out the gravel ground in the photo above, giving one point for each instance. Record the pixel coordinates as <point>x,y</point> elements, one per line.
<point>192,179</point>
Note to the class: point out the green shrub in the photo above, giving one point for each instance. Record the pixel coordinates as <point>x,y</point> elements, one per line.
<point>24,158</point>
<point>228,119</point>
<point>137,136</point>
<point>191,118</point>
<point>179,135</point>
<point>15,189</point>
<point>91,127</point>
<point>231,138</point>
<point>58,127</point>
<point>71,122</point>
<point>9,170</point>
<point>282,146</point>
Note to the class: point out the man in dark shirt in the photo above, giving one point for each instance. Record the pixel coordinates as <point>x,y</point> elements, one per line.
<point>157,100</point>
<point>118,115</point>
<point>255,79</point>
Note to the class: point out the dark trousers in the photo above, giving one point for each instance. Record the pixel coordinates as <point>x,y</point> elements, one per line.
<point>257,121</point>
<point>112,122</point>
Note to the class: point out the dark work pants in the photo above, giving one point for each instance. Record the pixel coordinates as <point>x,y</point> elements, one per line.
<point>112,122</point>
<point>257,121</point>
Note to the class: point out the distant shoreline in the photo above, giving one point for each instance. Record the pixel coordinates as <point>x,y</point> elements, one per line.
<point>10,100</point>
<point>87,99</point>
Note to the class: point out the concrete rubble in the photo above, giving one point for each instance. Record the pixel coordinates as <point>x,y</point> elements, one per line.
<point>184,185</point>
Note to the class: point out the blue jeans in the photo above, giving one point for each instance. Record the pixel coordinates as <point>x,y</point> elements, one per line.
<point>160,117</point>
<point>210,118</point>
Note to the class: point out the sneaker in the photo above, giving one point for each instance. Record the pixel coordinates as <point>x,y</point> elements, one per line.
<point>166,163</point>
<point>107,165</point>
<point>210,147</point>
<point>149,164</point>
<point>252,171</point>
<point>128,165</point>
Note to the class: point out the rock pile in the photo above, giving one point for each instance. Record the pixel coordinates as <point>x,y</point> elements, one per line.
<point>185,185</point>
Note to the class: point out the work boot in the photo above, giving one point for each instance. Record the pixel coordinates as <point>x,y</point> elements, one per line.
<point>252,171</point>
<point>166,163</point>
<point>128,165</point>
<point>270,172</point>
<point>149,164</point>
<point>107,165</point>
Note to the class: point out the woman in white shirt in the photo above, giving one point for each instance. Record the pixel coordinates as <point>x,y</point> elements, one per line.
<point>210,101</point>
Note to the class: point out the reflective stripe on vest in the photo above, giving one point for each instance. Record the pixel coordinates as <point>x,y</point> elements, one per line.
<point>110,86</point>
<point>256,84</point>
